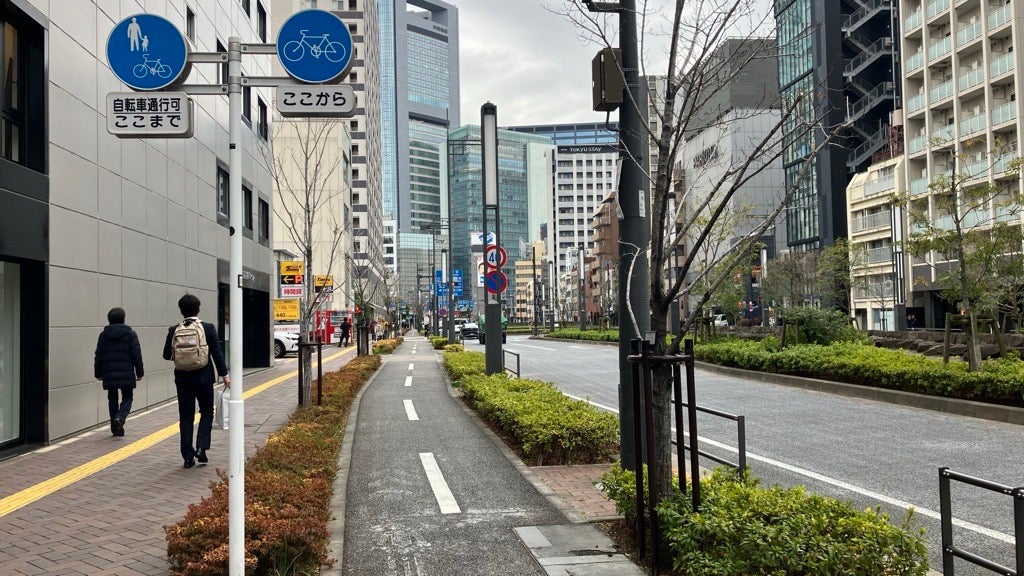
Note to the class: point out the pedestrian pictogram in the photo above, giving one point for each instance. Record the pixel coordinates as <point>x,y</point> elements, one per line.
<point>315,46</point>
<point>147,52</point>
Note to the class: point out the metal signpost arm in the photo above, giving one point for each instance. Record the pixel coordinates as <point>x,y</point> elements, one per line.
<point>236,406</point>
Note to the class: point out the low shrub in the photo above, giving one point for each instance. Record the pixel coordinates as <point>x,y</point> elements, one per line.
<point>592,335</point>
<point>438,342</point>
<point>821,326</point>
<point>454,348</point>
<point>544,425</point>
<point>743,528</point>
<point>387,346</point>
<point>999,381</point>
<point>459,364</point>
<point>287,493</point>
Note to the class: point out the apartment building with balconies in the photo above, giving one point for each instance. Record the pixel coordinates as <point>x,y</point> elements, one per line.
<point>960,77</point>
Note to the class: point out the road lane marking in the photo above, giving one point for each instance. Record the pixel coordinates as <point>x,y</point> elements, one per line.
<point>29,495</point>
<point>410,410</point>
<point>408,380</point>
<point>994,534</point>
<point>411,364</point>
<point>442,493</point>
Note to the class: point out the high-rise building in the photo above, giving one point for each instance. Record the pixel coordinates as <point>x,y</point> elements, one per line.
<point>366,255</point>
<point>419,104</point>
<point>584,170</point>
<point>837,58</point>
<point>524,164</point>
<point>89,221</point>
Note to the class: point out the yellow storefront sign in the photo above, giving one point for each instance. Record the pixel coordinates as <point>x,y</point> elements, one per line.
<point>286,309</point>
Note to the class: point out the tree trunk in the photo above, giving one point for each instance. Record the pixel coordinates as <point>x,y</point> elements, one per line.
<point>663,413</point>
<point>973,344</point>
<point>306,358</point>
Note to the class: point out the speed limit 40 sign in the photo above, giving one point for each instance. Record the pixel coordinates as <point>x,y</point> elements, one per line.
<point>495,256</point>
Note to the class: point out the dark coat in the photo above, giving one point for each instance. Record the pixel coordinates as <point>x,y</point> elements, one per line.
<point>118,360</point>
<point>204,375</point>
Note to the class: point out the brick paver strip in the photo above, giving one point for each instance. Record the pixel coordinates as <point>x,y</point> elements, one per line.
<point>575,486</point>
<point>112,500</point>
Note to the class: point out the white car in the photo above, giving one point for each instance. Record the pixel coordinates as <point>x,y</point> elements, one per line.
<point>721,321</point>
<point>285,342</point>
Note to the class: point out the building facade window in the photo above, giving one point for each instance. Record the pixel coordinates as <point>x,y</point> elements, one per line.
<point>246,208</point>
<point>261,21</point>
<point>223,194</point>
<point>246,7</point>
<point>190,24</point>
<point>263,128</point>
<point>264,221</point>
<point>10,352</point>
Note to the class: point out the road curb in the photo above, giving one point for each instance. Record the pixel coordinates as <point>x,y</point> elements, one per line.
<point>971,408</point>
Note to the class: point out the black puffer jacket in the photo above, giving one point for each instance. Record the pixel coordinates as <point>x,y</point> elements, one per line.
<point>118,357</point>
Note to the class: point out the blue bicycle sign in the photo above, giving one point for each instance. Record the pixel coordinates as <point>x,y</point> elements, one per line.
<point>151,67</point>
<point>147,52</point>
<point>296,50</point>
<point>315,46</point>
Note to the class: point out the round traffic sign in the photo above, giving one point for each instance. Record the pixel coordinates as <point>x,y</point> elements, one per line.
<point>495,256</point>
<point>147,52</point>
<point>495,281</point>
<point>314,46</point>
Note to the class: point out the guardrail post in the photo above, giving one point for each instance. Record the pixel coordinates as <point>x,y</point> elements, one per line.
<point>946,522</point>
<point>1018,527</point>
<point>677,392</point>
<point>741,441</point>
<point>691,397</point>
<point>301,371</point>
<point>319,371</point>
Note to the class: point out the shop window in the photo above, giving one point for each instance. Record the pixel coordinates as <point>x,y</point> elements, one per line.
<point>22,96</point>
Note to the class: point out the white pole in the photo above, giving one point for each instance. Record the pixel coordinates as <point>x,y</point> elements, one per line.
<point>236,410</point>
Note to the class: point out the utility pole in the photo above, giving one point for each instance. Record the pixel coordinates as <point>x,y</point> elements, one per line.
<point>583,305</point>
<point>634,225</point>
<point>533,288</point>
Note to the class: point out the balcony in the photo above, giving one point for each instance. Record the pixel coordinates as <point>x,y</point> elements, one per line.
<point>919,186</point>
<point>1001,65</point>
<point>915,145</point>
<point>944,135</point>
<point>914,62</point>
<point>940,48</point>
<point>913,21</point>
<point>976,170</point>
<point>1000,16</point>
<point>916,103</point>
<point>879,185</point>
<point>941,92</point>
<point>871,221</point>
<point>968,33</point>
<point>971,79</point>
<point>972,125</point>
<point>935,7</point>
<point>1004,113</point>
<point>878,255</point>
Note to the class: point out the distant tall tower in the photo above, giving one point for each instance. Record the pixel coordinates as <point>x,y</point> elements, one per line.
<point>419,44</point>
<point>842,54</point>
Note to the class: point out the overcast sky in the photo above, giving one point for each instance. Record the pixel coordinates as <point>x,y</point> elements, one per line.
<point>528,61</point>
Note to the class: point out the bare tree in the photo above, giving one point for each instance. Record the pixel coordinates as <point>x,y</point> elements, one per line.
<point>684,35</point>
<point>305,161</point>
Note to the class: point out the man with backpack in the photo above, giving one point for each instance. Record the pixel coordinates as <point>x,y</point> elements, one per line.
<point>118,363</point>
<point>194,348</point>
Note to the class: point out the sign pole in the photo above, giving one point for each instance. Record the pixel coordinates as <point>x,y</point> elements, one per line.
<point>236,406</point>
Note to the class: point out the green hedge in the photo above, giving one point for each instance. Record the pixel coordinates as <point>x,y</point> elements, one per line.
<point>1000,381</point>
<point>460,363</point>
<point>743,528</point>
<point>593,335</point>
<point>387,346</point>
<point>438,342</point>
<point>546,426</point>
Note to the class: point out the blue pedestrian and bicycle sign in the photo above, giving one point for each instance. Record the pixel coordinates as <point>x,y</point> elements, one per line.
<point>315,46</point>
<point>147,52</point>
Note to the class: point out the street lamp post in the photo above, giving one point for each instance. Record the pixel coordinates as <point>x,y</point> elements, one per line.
<point>492,305</point>
<point>583,305</point>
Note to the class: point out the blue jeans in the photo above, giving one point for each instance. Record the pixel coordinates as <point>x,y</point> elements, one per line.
<point>120,411</point>
<point>188,396</point>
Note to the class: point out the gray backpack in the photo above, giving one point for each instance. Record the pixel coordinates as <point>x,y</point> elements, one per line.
<point>189,349</point>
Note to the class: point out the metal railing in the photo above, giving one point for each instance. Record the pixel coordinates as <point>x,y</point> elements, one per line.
<point>505,353</point>
<point>741,437</point>
<point>950,551</point>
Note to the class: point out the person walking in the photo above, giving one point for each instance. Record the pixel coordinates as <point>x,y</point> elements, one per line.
<point>118,363</point>
<point>195,349</point>
<point>346,332</point>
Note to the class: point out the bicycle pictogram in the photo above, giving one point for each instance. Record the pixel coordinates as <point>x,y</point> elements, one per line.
<point>319,45</point>
<point>153,67</point>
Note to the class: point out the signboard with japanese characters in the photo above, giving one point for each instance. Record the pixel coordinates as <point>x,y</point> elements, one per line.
<point>153,115</point>
<point>291,271</point>
<point>312,101</point>
<point>286,310</point>
<point>292,291</point>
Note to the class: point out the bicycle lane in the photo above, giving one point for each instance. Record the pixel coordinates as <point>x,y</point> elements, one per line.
<point>97,504</point>
<point>428,491</point>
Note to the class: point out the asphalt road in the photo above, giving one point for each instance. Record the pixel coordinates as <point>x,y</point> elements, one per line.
<point>870,453</point>
<point>428,493</point>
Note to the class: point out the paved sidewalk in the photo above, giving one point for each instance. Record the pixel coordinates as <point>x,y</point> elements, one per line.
<point>577,487</point>
<point>97,505</point>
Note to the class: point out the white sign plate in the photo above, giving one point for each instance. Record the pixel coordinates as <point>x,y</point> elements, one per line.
<point>290,291</point>
<point>149,115</point>
<point>317,101</point>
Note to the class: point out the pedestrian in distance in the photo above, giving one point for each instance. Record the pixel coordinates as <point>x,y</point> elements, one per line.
<point>346,332</point>
<point>194,348</point>
<point>118,363</point>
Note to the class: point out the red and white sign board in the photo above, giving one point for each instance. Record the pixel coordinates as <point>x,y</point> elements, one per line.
<point>289,291</point>
<point>495,256</point>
